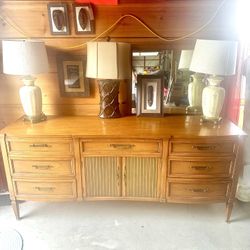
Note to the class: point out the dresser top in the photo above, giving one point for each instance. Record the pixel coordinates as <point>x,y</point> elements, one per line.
<point>129,127</point>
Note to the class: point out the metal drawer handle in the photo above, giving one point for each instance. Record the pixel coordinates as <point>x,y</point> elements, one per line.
<point>200,167</point>
<point>42,167</point>
<point>198,190</point>
<point>122,146</point>
<point>204,147</point>
<point>36,145</point>
<point>46,189</point>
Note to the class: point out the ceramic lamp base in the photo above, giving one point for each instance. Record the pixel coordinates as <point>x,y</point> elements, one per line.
<point>213,98</point>
<point>31,99</point>
<point>109,105</point>
<point>195,89</point>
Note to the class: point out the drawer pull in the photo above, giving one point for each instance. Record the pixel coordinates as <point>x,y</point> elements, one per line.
<point>43,145</point>
<point>200,167</point>
<point>42,167</point>
<point>204,147</point>
<point>45,189</point>
<point>198,190</point>
<point>122,146</point>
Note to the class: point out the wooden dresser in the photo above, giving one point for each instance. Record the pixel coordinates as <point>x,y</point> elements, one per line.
<point>170,159</point>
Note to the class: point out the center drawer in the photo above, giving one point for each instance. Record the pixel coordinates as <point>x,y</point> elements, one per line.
<point>122,147</point>
<point>42,167</point>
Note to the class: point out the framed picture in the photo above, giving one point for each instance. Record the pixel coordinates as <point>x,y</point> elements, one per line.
<point>84,18</point>
<point>58,18</point>
<point>149,95</point>
<point>71,75</point>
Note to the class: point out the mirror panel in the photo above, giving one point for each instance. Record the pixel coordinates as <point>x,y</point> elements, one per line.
<point>175,81</point>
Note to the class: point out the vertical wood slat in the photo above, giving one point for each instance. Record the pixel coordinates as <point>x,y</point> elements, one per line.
<point>101,176</point>
<point>78,169</point>
<point>142,177</point>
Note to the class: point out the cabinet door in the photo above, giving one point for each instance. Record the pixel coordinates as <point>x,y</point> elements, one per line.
<point>141,177</point>
<point>102,177</point>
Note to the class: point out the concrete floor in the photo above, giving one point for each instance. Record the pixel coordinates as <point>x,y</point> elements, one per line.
<point>128,226</point>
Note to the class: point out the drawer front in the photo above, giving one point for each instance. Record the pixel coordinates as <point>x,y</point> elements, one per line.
<point>46,189</point>
<point>205,190</point>
<point>205,168</point>
<point>43,167</point>
<point>41,146</point>
<point>121,147</point>
<point>202,148</point>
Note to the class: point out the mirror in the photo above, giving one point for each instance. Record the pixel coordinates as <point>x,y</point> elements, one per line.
<point>175,81</point>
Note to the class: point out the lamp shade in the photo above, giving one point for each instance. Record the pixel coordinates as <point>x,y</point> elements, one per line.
<point>108,60</point>
<point>24,57</point>
<point>214,57</point>
<point>185,59</point>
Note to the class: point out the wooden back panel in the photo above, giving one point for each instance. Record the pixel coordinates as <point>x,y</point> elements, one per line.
<point>170,19</point>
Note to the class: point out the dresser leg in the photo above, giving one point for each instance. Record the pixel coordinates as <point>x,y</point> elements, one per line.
<point>229,210</point>
<point>15,207</point>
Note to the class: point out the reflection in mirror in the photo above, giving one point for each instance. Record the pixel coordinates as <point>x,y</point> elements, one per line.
<point>151,63</point>
<point>173,65</point>
<point>179,88</point>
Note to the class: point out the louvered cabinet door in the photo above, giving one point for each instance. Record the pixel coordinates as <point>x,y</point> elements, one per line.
<point>102,177</point>
<point>141,178</point>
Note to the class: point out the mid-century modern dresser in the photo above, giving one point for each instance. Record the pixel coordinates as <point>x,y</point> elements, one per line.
<point>168,159</point>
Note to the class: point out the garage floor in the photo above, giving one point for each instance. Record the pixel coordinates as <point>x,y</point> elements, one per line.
<point>128,226</point>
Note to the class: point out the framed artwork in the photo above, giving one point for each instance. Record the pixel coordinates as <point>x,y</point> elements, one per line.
<point>58,18</point>
<point>71,75</point>
<point>149,95</point>
<point>84,18</point>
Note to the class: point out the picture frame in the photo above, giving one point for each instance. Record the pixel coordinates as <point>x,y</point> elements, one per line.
<point>71,75</point>
<point>84,18</point>
<point>58,18</point>
<point>150,95</point>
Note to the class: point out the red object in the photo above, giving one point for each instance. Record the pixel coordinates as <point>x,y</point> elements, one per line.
<point>234,88</point>
<point>99,2</point>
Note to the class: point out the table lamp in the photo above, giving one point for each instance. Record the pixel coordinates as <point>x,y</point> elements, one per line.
<point>195,87</point>
<point>185,60</point>
<point>215,58</point>
<point>196,84</point>
<point>109,62</point>
<point>27,58</point>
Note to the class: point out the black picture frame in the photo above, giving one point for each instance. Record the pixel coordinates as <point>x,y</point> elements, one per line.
<point>71,75</point>
<point>58,18</point>
<point>150,95</point>
<point>84,18</point>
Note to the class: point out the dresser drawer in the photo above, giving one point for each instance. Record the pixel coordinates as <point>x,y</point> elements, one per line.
<point>45,189</point>
<point>208,167</point>
<point>122,147</point>
<point>201,147</point>
<point>195,191</point>
<point>43,167</point>
<point>41,146</point>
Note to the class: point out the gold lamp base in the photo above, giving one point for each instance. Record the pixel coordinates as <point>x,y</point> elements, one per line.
<point>214,121</point>
<point>35,119</point>
<point>193,110</point>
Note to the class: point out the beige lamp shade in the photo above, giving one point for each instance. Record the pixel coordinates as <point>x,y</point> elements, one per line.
<point>24,57</point>
<point>185,59</point>
<point>214,57</point>
<point>108,60</point>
